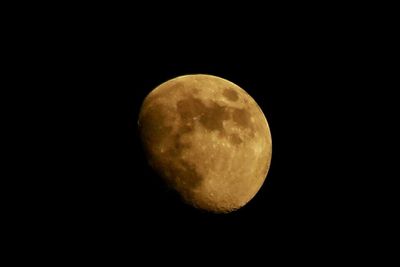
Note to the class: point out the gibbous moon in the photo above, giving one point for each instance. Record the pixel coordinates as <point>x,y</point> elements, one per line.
<point>208,139</point>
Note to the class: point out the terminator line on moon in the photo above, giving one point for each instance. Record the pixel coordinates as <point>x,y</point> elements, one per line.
<point>208,139</point>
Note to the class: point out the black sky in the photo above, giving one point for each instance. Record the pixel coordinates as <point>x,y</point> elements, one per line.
<point>304,76</point>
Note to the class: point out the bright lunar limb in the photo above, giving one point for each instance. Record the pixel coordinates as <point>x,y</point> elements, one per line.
<point>208,139</point>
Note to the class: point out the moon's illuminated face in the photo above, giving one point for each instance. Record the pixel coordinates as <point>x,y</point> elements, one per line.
<point>208,138</point>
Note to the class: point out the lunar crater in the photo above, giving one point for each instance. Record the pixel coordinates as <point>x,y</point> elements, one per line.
<point>235,139</point>
<point>230,94</point>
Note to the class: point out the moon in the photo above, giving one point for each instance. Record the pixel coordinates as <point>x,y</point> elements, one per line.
<point>208,139</point>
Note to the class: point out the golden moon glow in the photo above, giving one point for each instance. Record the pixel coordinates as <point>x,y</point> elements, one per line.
<point>208,139</point>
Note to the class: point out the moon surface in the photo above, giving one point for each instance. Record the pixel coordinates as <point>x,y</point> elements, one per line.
<point>208,139</point>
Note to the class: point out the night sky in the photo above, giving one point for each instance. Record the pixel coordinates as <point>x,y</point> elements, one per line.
<point>305,81</point>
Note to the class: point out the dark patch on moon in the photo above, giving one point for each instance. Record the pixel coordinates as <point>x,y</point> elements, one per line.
<point>235,139</point>
<point>184,173</point>
<point>178,145</point>
<point>179,173</point>
<point>210,117</point>
<point>241,117</point>
<point>153,124</point>
<point>214,116</point>
<point>230,94</point>
<point>189,108</point>
<point>189,175</point>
